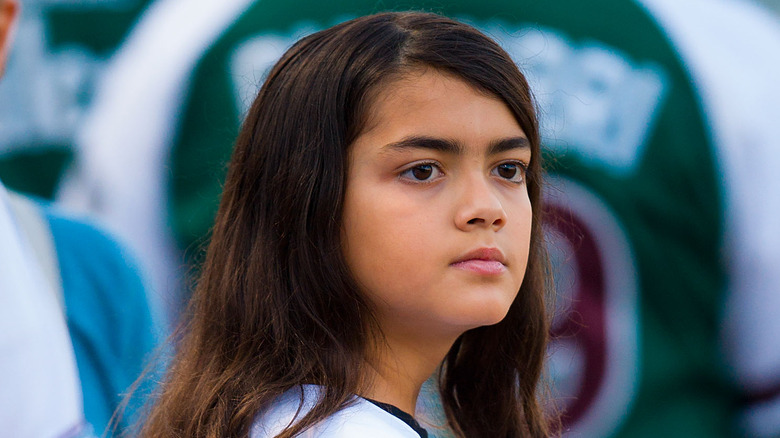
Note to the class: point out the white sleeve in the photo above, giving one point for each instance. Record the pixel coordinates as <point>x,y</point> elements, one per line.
<point>41,392</point>
<point>732,50</point>
<point>123,147</point>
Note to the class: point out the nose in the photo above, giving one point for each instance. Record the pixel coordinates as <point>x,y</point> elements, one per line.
<point>479,206</point>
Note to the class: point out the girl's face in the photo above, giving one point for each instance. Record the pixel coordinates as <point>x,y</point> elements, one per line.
<point>437,219</point>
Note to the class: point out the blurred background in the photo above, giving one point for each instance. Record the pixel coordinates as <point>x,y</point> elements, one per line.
<point>659,120</point>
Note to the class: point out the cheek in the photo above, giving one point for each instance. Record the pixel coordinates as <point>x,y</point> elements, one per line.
<point>386,240</point>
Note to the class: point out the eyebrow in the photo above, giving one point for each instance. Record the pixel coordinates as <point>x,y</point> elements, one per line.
<point>454,147</point>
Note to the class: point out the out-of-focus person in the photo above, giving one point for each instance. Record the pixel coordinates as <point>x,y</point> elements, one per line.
<point>102,300</point>
<point>659,116</point>
<point>40,396</point>
<point>76,323</point>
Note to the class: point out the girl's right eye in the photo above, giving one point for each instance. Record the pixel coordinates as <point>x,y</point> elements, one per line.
<point>423,172</point>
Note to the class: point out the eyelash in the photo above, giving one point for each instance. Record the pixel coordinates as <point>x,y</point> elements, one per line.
<point>406,174</point>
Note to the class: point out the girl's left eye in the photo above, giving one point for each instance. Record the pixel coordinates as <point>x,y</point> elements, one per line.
<point>511,171</point>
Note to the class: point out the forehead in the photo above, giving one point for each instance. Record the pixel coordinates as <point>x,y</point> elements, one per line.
<point>432,102</point>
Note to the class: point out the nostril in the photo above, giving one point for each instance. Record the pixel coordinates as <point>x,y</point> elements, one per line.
<point>476,220</point>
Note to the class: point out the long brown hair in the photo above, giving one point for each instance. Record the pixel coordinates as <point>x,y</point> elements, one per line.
<point>276,305</point>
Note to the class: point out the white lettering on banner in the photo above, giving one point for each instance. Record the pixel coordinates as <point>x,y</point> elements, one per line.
<point>595,102</point>
<point>253,59</point>
<point>250,64</point>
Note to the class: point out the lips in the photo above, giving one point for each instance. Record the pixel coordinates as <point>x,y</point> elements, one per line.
<point>482,261</point>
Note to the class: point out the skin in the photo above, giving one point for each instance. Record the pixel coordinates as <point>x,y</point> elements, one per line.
<point>427,190</point>
<point>9,10</point>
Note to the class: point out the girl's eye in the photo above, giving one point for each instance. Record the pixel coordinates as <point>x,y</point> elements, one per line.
<point>421,172</point>
<point>511,171</point>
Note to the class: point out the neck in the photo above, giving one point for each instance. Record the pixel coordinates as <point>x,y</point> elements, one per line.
<point>400,366</point>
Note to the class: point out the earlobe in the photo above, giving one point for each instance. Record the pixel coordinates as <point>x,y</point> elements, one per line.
<point>9,10</point>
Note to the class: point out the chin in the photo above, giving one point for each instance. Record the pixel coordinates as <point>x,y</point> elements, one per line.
<point>494,319</point>
<point>483,315</point>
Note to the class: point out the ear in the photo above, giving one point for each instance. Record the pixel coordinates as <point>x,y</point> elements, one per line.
<point>9,10</point>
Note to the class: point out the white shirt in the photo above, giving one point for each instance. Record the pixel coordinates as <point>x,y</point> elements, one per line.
<point>40,392</point>
<point>361,419</point>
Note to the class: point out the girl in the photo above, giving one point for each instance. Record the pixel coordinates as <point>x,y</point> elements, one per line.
<point>380,222</point>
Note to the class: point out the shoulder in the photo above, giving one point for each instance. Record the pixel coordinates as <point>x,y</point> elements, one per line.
<point>104,289</point>
<point>99,274</point>
<point>77,255</point>
<point>360,419</point>
<point>92,261</point>
<point>113,327</point>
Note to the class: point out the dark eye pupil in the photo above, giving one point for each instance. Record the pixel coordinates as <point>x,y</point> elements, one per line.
<point>423,171</point>
<point>507,170</point>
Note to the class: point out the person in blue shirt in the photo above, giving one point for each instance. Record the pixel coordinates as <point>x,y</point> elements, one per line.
<point>92,297</point>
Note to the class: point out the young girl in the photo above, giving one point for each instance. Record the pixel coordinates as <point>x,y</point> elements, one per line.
<point>380,223</point>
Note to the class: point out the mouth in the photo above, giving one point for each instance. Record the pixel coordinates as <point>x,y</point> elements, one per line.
<point>482,261</point>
